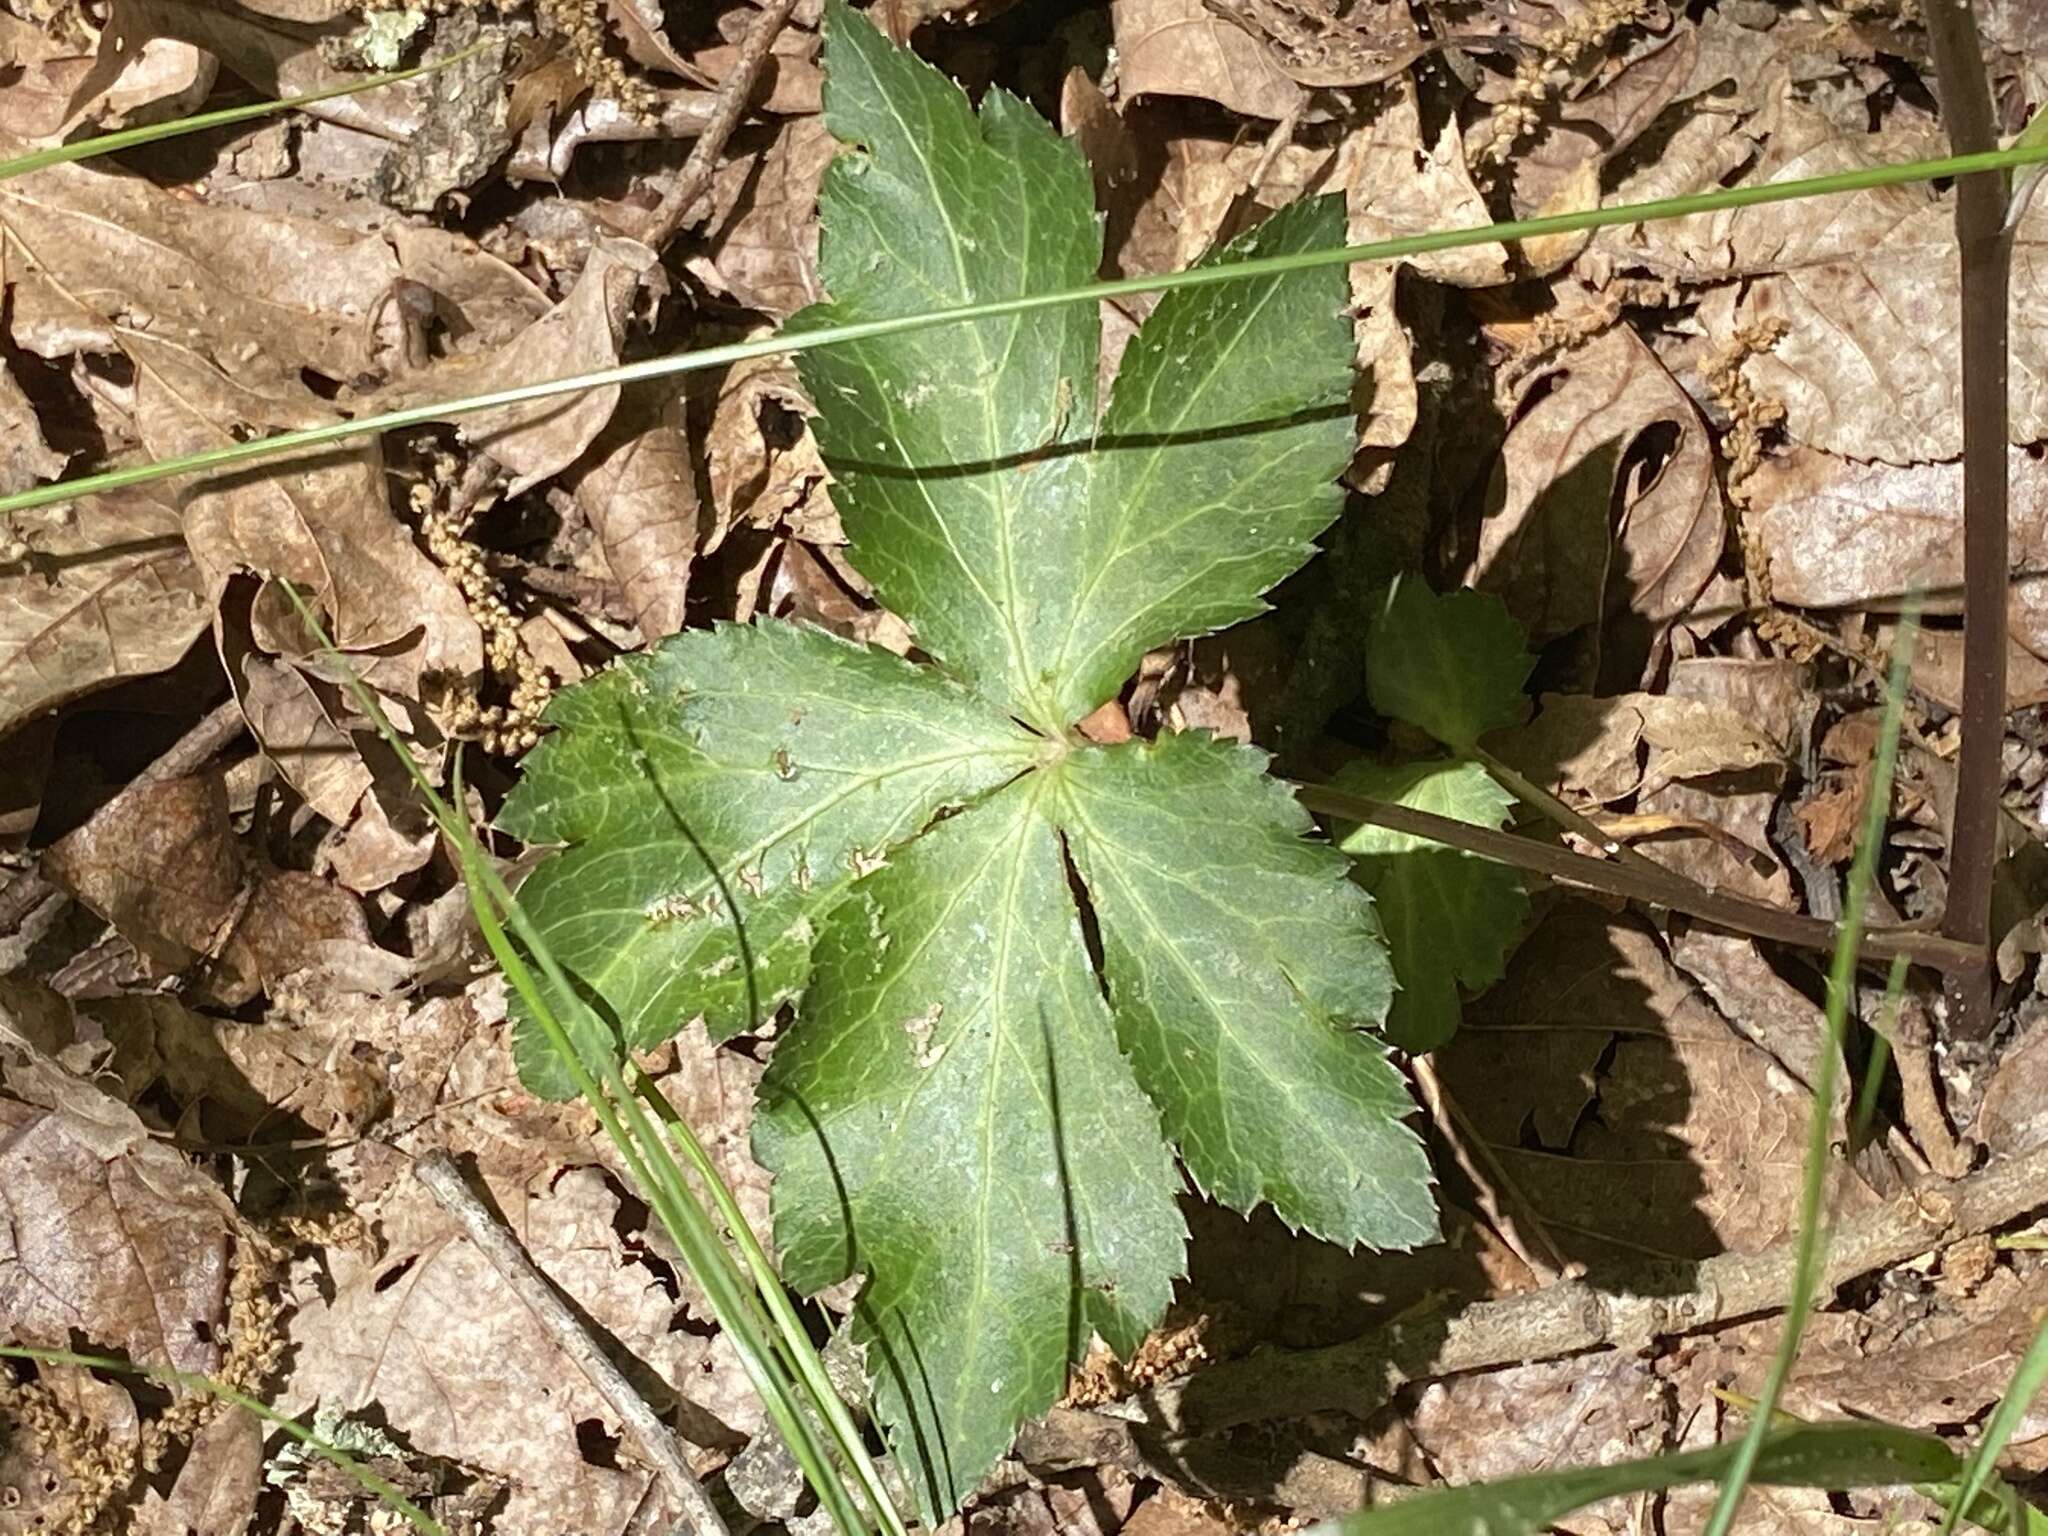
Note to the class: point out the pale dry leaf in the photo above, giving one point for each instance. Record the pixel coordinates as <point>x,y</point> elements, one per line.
<point>1777,700</point>
<point>216,1489</point>
<point>373,850</point>
<point>761,461</point>
<point>641,27</point>
<point>640,493</point>
<point>1178,48</point>
<point>579,335</point>
<point>25,457</point>
<point>108,591</point>
<point>298,732</point>
<point>159,862</point>
<point>108,1233</point>
<point>428,1333</point>
<point>1837,533</point>
<point>1605,498</point>
<point>761,243</point>
<point>1319,43</point>
<point>1586,749</point>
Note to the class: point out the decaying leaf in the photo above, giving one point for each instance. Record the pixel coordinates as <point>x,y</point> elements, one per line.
<point>105,589</point>
<point>1605,500</point>
<point>641,497</point>
<point>1180,48</point>
<point>109,1234</point>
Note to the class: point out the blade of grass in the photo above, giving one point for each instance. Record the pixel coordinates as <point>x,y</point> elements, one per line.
<point>802,1358</point>
<point>1880,1056</point>
<point>2005,1418</point>
<point>1863,179</point>
<point>643,1148</point>
<point>129,138</point>
<point>369,1481</point>
<point>1841,991</point>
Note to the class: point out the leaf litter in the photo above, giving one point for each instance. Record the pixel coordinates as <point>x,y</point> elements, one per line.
<point>1700,463</point>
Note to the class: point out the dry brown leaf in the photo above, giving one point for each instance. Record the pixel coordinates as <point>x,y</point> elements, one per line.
<point>285,926</point>
<point>760,459</point>
<point>1178,48</point>
<point>216,1489</point>
<point>1777,699</point>
<point>1841,534</point>
<point>108,1233</point>
<point>1698,1143</point>
<point>428,1334</point>
<point>579,335</point>
<point>374,851</point>
<point>297,731</point>
<point>643,29</point>
<point>1605,496</point>
<point>108,591</point>
<point>1590,749</point>
<point>159,862</point>
<point>25,457</point>
<point>761,243</point>
<point>640,494</point>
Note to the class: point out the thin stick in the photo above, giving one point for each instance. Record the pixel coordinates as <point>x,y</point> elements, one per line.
<point>495,1241</point>
<point>726,108</point>
<point>280,444</point>
<point>1655,886</point>
<point>1986,246</point>
<point>1360,1375</point>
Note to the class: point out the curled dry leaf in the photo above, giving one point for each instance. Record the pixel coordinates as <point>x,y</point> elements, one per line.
<point>107,591</point>
<point>1698,1143</point>
<point>290,922</point>
<point>1605,495</point>
<point>159,862</point>
<point>1591,749</point>
<point>298,732</point>
<point>579,335</point>
<point>108,1233</point>
<point>640,494</point>
<point>1179,48</point>
<point>217,1487</point>
<point>761,460</point>
<point>761,246</point>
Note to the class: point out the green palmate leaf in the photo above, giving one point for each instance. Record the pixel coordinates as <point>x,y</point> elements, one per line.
<point>1450,916</point>
<point>721,792</point>
<point>756,815</point>
<point>1238,960</point>
<point>1027,544</point>
<point>1842,1456</point>
<point>1452,666</point>
<point>955,1121</point>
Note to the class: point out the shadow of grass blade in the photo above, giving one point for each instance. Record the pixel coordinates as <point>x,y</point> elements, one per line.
<point>364,1478</point>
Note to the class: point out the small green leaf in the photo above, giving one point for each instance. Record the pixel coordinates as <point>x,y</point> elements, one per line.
<point>1450,916</point>
<point>1239,965</point>
<point>1842,1456</point>
<point>721,791</point>
<point>1452,666</point>
<point>954,1120</point>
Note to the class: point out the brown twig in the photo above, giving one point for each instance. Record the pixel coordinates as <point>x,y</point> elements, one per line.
<point>1360,1375</point>
<point>495,1241</point>
<point>1655,886</point>
<point>1986,267</point>
<point>188,754</point>
<point>733,92</point>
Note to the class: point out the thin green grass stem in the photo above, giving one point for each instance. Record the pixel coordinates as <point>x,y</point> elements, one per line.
<point>278,444</point>
<point>800,1356</point>
<point>1813,1238</point>
<point>644,1149</point>
<point>200,122</point>
<point>2020,1392</point>
<point>423,1522</point>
